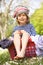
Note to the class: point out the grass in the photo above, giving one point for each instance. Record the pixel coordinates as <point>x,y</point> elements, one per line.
<point>5,60</point>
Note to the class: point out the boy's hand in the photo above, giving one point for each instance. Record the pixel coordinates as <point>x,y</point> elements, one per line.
<point>17,32</point>
<point>24,32</point>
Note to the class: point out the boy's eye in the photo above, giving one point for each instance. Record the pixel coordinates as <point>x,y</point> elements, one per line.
<point>23,15</point>
<point>19,14</point>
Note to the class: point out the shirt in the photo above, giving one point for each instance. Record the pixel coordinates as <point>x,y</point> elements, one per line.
<point>28,28</point>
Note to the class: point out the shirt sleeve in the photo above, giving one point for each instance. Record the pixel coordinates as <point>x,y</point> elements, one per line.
<point>32,29</point>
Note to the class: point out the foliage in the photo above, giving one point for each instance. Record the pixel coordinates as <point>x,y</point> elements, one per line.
<point>10,25</point>
<point>37,19</point>
<point>10,29</point>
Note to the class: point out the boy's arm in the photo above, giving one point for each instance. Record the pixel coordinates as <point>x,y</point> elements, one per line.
<point>33,32</point>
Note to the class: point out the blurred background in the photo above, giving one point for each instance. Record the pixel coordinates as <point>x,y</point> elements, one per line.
<point>7,22</point>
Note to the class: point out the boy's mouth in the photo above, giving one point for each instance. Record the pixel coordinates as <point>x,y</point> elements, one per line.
<point>22,20</point>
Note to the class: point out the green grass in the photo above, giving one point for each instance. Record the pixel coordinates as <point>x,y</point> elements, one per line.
<point>5,60</point>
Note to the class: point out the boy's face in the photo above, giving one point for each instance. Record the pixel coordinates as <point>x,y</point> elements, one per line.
<point>22,18</point>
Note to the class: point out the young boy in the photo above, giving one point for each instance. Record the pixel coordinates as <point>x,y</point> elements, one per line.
<point>23,31</point>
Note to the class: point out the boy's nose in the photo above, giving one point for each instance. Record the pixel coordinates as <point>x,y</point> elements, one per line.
<point>21,16</point>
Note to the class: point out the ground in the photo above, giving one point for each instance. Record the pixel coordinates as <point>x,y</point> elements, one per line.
<point>5,59</point>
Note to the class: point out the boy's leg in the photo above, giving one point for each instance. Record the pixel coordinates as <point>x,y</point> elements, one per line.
<point>25,39</point>
<point>17,43</point>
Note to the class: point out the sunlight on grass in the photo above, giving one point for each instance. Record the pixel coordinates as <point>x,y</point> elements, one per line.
<point>3,51</point>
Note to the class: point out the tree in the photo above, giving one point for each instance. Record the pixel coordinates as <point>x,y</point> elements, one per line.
<point>4,17</point>
<point>37,19</point>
